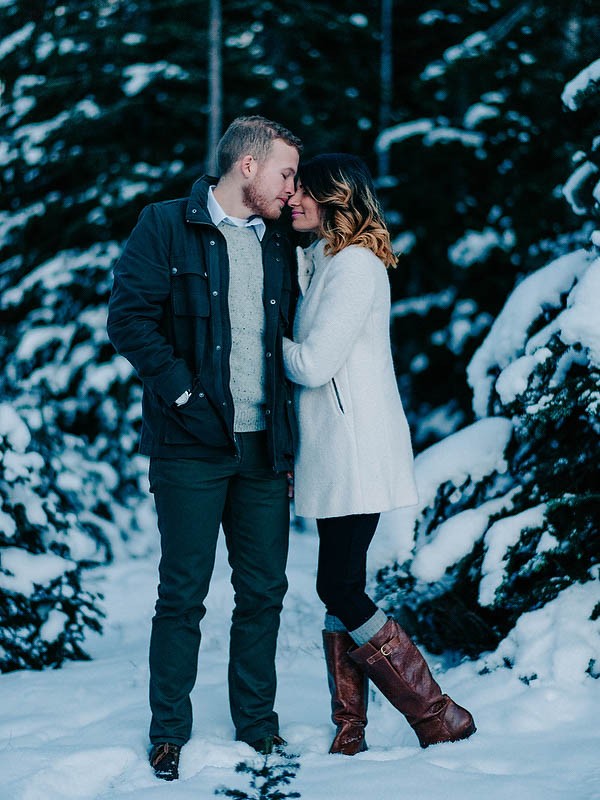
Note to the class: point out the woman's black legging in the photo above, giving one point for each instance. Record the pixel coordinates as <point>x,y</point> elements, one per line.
<point>342,568</point>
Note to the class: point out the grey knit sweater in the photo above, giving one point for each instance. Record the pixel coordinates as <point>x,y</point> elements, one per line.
<point>246,311</point>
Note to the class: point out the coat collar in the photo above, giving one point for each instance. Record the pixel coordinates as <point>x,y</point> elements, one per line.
<point>306,263</point>
<point>196,209</point>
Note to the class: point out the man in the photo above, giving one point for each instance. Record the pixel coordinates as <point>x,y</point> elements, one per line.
<point>201,296</point>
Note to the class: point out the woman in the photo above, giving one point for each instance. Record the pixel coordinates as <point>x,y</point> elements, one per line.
<point>354,457</point>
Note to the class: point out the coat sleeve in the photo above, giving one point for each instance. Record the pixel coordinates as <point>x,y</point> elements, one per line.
<point>343,308</point>
<point>141,289</point>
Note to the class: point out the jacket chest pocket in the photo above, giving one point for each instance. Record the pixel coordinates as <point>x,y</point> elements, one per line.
<point>189,289</point>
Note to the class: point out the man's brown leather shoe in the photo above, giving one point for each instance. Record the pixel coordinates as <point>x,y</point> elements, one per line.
<point>164,760</point>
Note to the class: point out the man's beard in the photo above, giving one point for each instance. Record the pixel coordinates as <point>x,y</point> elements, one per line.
<point>258,203</point>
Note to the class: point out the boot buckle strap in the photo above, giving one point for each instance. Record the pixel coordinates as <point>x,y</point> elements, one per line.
<point>384,652</point>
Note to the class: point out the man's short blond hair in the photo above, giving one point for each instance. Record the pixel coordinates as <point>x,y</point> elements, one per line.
<point>251,136</point>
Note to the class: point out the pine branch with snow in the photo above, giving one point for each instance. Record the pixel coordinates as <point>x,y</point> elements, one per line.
<point>266,781</point>
<point>45,610</point>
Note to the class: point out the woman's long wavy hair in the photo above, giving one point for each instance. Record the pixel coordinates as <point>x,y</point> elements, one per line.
<point>351,214</point>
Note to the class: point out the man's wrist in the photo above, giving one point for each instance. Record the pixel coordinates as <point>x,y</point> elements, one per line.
<point>183,398</point>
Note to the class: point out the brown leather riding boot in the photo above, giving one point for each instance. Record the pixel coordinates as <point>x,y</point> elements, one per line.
<point>349,689</point>
<point>399,671</point>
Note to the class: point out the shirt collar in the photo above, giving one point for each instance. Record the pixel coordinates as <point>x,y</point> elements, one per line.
<point>218,215</point>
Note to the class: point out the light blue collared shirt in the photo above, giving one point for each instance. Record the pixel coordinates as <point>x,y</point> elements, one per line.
<point>218,215</point>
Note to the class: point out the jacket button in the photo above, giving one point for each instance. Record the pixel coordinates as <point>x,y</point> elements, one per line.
<point>268,355</point>
<point>194,210</point>
<point>273,302</point>
<point>212,241</point>
<point>224,404</point>
<point>268,412</point>
<point>201,394</point>
<point>215,294</point>
<point>289,402</point>
<point>277,258</point>
<point>174,271</point>
<point>218,347</point>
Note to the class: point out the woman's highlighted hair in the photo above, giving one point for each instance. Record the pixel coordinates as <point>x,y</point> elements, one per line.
<point>341,183</point>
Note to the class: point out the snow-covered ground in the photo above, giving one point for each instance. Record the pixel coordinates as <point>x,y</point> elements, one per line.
<point>80,732</point>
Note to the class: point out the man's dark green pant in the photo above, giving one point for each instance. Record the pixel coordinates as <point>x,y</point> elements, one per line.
<point>193,498</point>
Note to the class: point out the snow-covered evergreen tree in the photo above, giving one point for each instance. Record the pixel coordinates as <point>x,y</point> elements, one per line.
<point>43,607</point>
<point>477,155</point>
<point>71,493</point>
<point>71,483</point>
<point>509,514</point>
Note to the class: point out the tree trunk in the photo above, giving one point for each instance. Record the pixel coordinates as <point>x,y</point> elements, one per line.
<point>386,82</point>
<point>215,85</point>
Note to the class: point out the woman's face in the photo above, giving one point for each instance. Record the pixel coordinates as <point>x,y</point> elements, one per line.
<point>306,212</point>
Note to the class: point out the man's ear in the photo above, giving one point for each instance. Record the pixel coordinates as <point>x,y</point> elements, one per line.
<point>248,165</point>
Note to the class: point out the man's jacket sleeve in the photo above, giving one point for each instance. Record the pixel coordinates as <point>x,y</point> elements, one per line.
<point>136,310</point>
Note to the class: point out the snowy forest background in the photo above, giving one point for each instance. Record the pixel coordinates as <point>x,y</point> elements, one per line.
<point>481,123</point>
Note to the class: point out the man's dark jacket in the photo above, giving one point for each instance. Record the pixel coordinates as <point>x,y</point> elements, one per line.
<point>168,316</point>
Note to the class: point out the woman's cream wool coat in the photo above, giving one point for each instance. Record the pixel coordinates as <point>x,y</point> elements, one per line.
<point>354,452</point>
